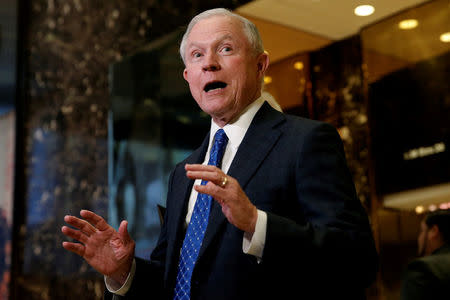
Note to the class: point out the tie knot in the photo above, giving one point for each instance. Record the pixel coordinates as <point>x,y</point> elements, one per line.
<point>218,148</point>
<point>220,137</point>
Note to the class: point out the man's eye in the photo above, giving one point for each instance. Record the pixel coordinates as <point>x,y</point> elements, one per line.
<point>196,54</point>
<point>226,49</point>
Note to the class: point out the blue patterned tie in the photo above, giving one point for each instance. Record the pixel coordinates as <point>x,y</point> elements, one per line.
<point>197,226</point>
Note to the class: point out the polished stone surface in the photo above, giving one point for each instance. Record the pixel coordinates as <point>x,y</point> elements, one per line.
<point>338,94</point>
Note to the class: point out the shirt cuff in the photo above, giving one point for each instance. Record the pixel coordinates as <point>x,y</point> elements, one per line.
<point>115,288</point>
<point>253,244</point>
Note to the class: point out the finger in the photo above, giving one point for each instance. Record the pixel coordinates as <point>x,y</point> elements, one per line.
<point>213,190</point>
<point>199,167</point>
<point>94,219</point>
<point>74,247</point>
<point>123,232</point>
<point>82,225</point>
<point>215,177</point>
<point>75,234</point>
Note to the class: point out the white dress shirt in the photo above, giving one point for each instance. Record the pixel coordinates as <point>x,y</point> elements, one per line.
<point>252,244</point>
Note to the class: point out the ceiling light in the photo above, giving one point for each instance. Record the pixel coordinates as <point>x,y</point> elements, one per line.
<point>432,207</point>
<point>298,65</point>
<point>364,10</point>
<point>408,24</point>
<point>445,37</point>
<point>420,209</point>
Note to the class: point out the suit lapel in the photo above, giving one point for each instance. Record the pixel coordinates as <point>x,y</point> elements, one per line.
<point>257,143</point>
<point>185,184</point>
<point>183,190</point>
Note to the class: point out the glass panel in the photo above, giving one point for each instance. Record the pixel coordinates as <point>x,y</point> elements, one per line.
<point>154,124</point>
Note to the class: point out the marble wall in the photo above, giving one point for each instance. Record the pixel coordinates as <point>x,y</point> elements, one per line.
<point>338,93</point>
<point>69,46</point>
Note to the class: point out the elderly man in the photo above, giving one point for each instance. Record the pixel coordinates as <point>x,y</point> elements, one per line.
<point>428,277</point>
<point>264,209</point>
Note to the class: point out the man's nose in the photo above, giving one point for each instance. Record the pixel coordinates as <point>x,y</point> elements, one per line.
<point>211,63</point>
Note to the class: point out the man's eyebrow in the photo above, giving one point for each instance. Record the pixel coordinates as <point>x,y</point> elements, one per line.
<point>219,40</point>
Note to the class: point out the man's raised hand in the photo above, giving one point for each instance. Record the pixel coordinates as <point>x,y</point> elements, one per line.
<point>106,250</point>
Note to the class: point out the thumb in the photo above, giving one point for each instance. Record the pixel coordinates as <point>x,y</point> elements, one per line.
<point>123,231</point>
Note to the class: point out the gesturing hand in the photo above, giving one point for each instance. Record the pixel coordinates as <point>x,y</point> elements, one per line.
<point>228,193</point>
<point>106,250</point>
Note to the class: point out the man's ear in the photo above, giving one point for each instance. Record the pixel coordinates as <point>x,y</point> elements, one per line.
<point>185,75</point>
<point>263,62</point>
<point>434,232</point>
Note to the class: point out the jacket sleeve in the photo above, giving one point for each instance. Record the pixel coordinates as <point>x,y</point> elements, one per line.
<point>417,282</point>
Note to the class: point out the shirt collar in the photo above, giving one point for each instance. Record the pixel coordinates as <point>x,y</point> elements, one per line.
<point>236,131</point>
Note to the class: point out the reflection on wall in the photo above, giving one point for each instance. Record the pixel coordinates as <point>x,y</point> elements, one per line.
<point>289,82</point>
<point>388,48</point>
<point>155,124</point>
<point>407,71</point>
<point>338,94</point>
<point>412,132</point>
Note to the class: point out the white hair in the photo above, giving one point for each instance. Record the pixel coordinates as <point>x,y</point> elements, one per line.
<point>249,29</point>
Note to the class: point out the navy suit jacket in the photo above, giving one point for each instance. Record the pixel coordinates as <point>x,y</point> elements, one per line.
<point>319,244</point>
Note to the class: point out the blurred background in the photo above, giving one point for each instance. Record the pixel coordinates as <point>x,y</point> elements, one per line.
<point>94,114</point>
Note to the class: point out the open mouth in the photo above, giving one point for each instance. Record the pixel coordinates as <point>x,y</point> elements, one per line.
<point>214,86</point>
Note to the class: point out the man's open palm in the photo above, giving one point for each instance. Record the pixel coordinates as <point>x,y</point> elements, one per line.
<point>106,250</point>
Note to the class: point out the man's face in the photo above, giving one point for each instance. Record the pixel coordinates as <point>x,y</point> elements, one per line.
<point>422,239</point>
<point>223,72</point>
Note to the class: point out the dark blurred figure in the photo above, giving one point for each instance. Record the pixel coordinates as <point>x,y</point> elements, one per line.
<point>428,277</point>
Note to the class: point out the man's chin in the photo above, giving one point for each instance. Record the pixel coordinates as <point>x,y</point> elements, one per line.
<point>214,105</point>
<point>220,116</point>
<point>219,96</point>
